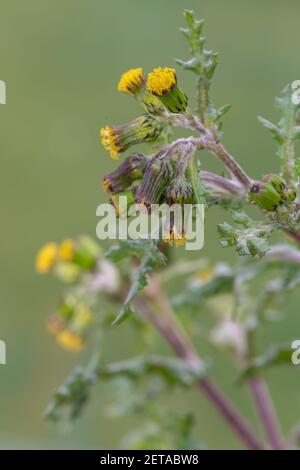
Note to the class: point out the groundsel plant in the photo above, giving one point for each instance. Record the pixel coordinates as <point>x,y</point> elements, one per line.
<point>132,280</point>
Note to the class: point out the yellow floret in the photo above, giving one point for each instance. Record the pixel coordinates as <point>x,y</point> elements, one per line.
<point>66,250</point>
<point>70,341</point>
<point>131,81</point>
<point>161,80</point>
<point>105,185</point>
<point>108,140</point>
<point>46,257</point>
<point>175,238</point>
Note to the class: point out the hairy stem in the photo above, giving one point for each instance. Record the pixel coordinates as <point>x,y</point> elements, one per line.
<point>187,354</point>
<point>219,182</point>
<point>266,411</point>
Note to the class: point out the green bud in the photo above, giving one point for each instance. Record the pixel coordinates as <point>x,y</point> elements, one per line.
<point>265,196</point>
<point>67,272</point>
<point>288,194</point>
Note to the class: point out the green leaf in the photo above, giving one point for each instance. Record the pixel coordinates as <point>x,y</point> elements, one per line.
<point>275,130</point>
<point>286,132</point>
<point>277,355</point>
<point>151,257</point>
<point>173,370</point>
<point>251,240</point>
<point>203,63</point>
<point>72,395</point>
<point>196,293</point>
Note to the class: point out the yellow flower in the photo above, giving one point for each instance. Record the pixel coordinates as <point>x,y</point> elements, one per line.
<point>66,250</point>
<point>161,80</point>
<point>109,141</point>
<point>131,81</point>
<point>69,340</point>
<point>117,139</point>
<point>46,257</point>
<point>175,238</point>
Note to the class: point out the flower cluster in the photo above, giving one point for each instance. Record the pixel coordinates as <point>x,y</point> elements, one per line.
<point>159,178</point>
<point>70,323</point>
<point>79,262</point>
<point>158,95</point>
<point>69,259</point>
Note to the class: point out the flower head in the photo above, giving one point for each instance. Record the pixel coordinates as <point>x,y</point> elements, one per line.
<point>157,176</point>
<point>180,191</point>
<point>66,250</point>
<point>109,141</point>
<point>70,340</point>
<point>130,170</point>
<point>118,139</point>
<point>132,81</point>
<point>46,257</point>
<point>162,82</point>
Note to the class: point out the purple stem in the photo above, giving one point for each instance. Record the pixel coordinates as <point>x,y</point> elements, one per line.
<point>183,350</point>
<point>265,408</point>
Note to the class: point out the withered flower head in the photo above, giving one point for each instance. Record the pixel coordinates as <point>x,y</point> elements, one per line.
<point>157,176</point>
<point>180,191</point>
<point>131,169</point>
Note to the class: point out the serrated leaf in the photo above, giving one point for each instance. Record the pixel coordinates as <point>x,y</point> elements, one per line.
<point>275,130</point>
<point>251,240</point>
<point>222,111</point>
<point>171,369</point>
<point>151,258</point>
<point>71,397</point>
<point>203,63</point>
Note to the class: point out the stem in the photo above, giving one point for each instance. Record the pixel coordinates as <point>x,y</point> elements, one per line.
<point>183,350</point>
<point>265,408</point>
<point>224,184</point>
<point>198,189</point>
<point>229,161</point>
<point>283,252</point>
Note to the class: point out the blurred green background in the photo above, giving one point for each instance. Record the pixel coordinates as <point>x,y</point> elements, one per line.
<point>61,62</point>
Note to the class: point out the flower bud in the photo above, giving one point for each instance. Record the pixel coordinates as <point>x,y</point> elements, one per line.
<point>162,82</point>
<point>265,196</point>
<point>131,169</point>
